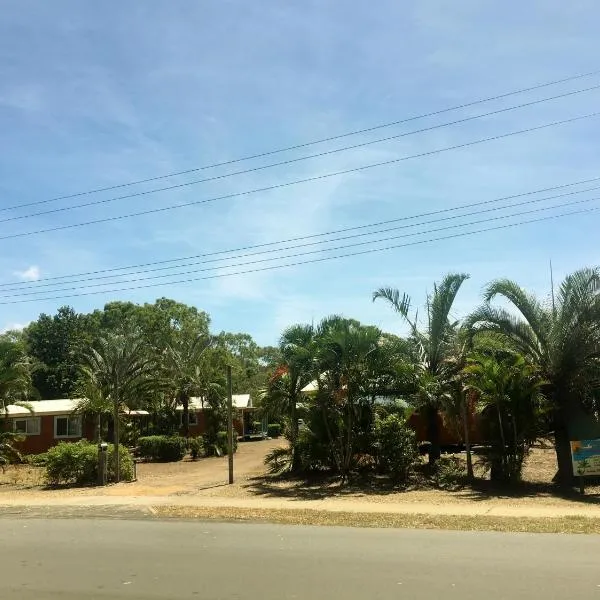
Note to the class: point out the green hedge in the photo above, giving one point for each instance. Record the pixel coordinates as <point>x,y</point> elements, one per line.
<point>77,463</point>
<point>165,448</point>
<point>273,430</point>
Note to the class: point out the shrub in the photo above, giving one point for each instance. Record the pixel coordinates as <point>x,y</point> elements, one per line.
<point>450,473</point>
<point>397,450</point>
<point>36,460</point>
<point>165,448</point>
<point>78,463</point>
<point>273,430</point>
<point>196,447</point>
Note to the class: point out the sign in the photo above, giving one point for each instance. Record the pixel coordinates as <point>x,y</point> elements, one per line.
<point>586,457</point>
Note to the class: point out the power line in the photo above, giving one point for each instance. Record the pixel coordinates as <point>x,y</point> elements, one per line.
<point>292,160</point>
<point>306,144</point>
<point>57,285</point>
<point>311,261</point>
<point>299,181</point>
<point>17,284</point>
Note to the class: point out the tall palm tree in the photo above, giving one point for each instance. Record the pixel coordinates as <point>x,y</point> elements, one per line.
<point>561,338</point>
<point>189,369</point>
<point>433,345</point>
<point>283,393</point>
<point>120,369</point>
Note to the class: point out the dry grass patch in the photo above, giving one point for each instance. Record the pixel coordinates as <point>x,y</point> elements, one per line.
<point>383,520</point>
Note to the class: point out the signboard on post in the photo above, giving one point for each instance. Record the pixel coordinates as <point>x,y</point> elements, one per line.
<point>586,457</point>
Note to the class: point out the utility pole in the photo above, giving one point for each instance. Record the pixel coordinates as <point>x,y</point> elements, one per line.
<point>230,423</point>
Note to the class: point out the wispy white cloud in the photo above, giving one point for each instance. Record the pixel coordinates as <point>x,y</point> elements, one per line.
<point>32,273</point>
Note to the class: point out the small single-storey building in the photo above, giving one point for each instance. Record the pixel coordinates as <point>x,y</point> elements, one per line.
<point>50,422</point>
<point>242,414</point>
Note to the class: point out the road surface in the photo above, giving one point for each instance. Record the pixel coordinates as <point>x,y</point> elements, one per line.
<point>147,559</point>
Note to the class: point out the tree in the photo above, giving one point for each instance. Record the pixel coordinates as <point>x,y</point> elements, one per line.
<point>295,371</point>
<point>350,360</point>
<point>189,365</point>
<point>57,344</point>
<point>120,369</point>
<point>432,346</point>
<point>15,389</point>
<point>508,392</point>
<point>561,338</point>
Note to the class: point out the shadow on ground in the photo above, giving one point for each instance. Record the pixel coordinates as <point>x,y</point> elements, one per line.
<point>321,486</point>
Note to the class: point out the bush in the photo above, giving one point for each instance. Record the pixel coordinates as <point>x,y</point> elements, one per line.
<point>36,460</point>
<point>164,448</point>
<point>450,473</point>
<point>78,463</point>
<point>273,430</point>
<point>196,447</point>
<point>397,450</point>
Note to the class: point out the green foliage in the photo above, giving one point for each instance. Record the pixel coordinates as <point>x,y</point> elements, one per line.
<point>450,473</point>
<point>8,453</point>
<point>77,463</point>
<point>274,430</point>
<point>36,460</point>
<point>396,446</point>
<point>196,447</point>
<point>56,343</point>
<point>162,448</point>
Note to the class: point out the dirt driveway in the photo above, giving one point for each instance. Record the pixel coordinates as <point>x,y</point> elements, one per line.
<point>153,479</point>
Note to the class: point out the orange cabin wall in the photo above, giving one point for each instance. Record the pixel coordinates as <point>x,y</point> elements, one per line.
<point>36,444</point>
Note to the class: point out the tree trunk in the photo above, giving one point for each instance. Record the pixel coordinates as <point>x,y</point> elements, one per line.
<point>465,419</point>
<point>294,434</point>
<point>117,456</point>
<point>433,433</point>
<point>185,402</point>
<point>564,476</point>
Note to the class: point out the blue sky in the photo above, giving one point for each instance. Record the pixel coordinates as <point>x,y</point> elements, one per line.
<point>99,94</point>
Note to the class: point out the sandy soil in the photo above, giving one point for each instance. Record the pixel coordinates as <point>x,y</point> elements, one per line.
<point>203,482</point>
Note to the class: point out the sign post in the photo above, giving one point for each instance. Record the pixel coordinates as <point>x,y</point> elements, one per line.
<point>586,459</point>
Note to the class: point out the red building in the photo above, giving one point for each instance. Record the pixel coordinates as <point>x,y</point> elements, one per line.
<point>48,423</point>
<point>242,415</point>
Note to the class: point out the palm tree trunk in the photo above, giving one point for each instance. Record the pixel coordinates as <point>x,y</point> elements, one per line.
<point>433,433</point>
<point>185,402</point>
<point>116,426</point>
<point>465,419</point>
<point>564,476</point>
<point>294,433</point>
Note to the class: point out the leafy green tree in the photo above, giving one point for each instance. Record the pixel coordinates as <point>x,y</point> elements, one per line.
<point>433,345</point>
<point>57,343</point>
<point>120,370</point>
<point>561,338</point>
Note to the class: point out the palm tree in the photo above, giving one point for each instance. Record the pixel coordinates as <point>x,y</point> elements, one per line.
<point>561,338</point>
<point>352,362</point>
<point>120,369</point>
<point>16,389</point>
<point>188,368</point>
<point>283,393</point>
<point>433,345</point>
<point>510,388</point>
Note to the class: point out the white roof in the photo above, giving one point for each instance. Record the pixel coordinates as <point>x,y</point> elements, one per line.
<point>63,406</point>
<point>238,400</point>
<point>310,387</point>
<point>44,407</point>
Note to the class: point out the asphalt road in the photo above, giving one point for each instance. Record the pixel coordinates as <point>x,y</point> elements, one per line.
<point>145,559</point>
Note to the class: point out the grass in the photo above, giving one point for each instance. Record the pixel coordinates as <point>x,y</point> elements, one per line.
<point>582,525</point>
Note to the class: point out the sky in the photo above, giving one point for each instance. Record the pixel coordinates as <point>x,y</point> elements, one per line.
<point>100,94</point>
